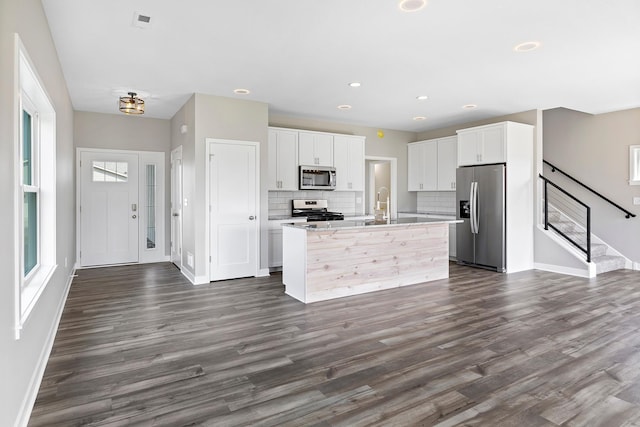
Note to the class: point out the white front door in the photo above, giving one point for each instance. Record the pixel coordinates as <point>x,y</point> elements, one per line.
<point>108,208</point>
<point>176,207</point>
<point>233,206</point>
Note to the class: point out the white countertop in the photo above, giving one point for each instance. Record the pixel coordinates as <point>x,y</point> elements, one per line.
<point>342,225</point>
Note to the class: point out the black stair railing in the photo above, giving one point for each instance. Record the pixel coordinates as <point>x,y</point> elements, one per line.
<point>556,169</point>
<point>547,224</point>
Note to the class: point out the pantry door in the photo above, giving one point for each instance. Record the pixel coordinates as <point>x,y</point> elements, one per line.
<point>108,208</point>
<point>233,198</point>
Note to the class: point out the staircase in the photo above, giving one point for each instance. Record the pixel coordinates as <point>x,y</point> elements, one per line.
<point>601,254</point>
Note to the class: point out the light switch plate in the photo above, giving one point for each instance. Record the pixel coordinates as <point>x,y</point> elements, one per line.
<point>636,200</point>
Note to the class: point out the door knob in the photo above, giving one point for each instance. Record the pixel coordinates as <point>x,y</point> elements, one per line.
<point>133,216</point>
<point>251,218</point>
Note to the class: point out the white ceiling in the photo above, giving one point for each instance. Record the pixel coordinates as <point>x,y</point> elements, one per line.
<point>299,56</point>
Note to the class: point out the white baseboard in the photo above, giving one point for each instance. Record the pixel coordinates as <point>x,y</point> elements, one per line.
<point>36,378</point>
<point>263,272</point>
<point>190,277</point>
<point>201,280</point>
<point>563,270</point>
<point>195,280</point>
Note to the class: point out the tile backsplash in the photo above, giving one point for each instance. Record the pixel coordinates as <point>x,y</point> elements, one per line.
<point>339,201</point>
<point>437,201</point>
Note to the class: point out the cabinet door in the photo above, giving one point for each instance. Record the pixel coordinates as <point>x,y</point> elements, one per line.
<point>348,156</point>
<point>493,145</point>
<point>324,149</point>
<point>275,248</point>
<point>356,163</point>
<point>468,148</point>
<point>414,166</point>
<point>430,166</point>
<point>283,160</point>
<point>315,149</point>
<point>272,147</point>
<point>306,149</point>
<point>447,162</point>
<point>288,160</point>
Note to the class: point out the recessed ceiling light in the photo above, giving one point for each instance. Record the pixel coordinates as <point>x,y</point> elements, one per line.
<point>469,106</point>
<point>527,46</point>
<point>242,91</point>
<point>419,118</point>
<point>344,107</point>
<point>355,84</point>
<point>422,97</point>
<point>411,5</point>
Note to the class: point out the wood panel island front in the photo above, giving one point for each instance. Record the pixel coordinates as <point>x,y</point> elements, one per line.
<point>334,259</point>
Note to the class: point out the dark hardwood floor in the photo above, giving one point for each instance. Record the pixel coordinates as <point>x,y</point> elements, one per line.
<point>139,345</point>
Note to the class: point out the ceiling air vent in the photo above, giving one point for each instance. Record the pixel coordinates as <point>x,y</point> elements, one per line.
<point>141,21</point>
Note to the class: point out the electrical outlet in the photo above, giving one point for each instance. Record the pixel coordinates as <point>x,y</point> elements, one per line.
<point>636,200</point>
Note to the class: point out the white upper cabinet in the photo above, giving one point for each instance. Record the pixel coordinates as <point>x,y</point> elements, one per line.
<point>283,160</point>
<point>422,171</point>
<point>447,163</point>
<point>348,159</point>
<point>482,145</point>
<point>315,148</point>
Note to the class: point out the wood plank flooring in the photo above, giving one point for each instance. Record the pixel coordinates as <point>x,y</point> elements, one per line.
<point>139,345</point>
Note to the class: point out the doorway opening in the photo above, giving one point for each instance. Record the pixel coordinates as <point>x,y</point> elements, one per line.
<point>381,184</point>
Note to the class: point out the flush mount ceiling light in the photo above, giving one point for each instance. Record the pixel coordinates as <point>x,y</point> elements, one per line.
<point>241,91</point>
<point>527,46</point>
<point>355,84</point>
<point>422,97</point>
<point>411,5</point>
<point>131,104</point>
<point>344,107</point>
<point>469,106</point>
<point>419,118</point>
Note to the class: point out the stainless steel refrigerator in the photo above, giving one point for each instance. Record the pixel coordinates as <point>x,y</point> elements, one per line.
<point>480,204</point>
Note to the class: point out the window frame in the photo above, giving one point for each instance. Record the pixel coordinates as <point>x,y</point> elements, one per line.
<point>634,166</point>
<point>30,96</point>
<point>26,105</point>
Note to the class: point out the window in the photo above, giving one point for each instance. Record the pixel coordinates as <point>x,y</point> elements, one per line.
<point>634,164</point>
<point>110,171</point>
<point>35,195</point>
<point>150,174</point>
<point>29,149</point>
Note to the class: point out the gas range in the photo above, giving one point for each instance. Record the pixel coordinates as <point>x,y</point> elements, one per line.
<point>314,210</point>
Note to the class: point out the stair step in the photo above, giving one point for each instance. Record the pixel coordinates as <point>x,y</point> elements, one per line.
<point>563,226</point>
<point>606,263</point>
<point>598,249</point>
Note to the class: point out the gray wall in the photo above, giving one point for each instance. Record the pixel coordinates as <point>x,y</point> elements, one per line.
<point>121,132</point>
<point>595,150</point>
<point>22,361</point>
<point>220,118</point>
<point>393,144</point>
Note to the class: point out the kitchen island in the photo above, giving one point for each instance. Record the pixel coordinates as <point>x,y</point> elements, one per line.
<point>333,259</point>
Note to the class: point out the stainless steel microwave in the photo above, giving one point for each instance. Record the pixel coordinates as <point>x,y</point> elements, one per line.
<point>317,178</point>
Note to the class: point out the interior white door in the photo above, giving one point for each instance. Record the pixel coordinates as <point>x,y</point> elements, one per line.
<point>176,207</point>
<point>233,228</point>
<point>108,208</point>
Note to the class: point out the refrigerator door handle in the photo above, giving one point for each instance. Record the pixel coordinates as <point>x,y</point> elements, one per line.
<point>476,216</point>
<point>471,208</point>
<point>474,207</point>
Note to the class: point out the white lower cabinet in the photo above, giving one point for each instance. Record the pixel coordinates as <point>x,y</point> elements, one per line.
<point>275,248</point>
<point>275,240</point>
